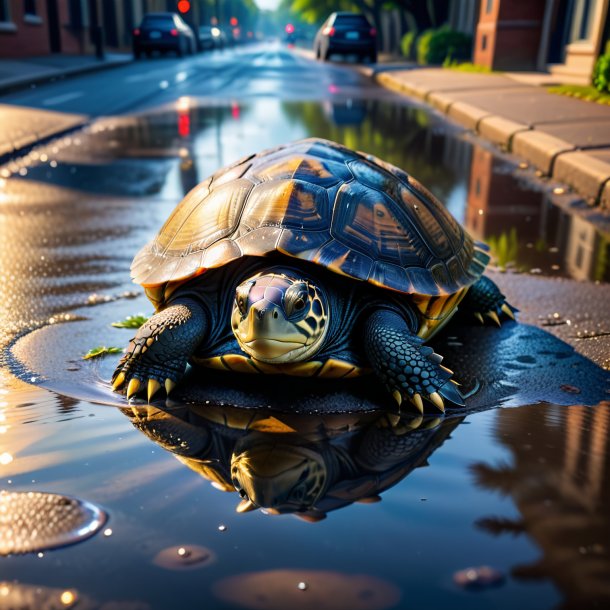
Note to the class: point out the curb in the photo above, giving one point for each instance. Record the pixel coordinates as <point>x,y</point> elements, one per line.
<point>21,83</point>
<point>586,172</point>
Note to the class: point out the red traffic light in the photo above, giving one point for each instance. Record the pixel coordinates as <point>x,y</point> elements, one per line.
<point>289,28</point>
<point>184,6</point>
<point>233,21</point>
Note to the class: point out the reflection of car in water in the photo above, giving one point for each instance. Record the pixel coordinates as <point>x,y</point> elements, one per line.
<point>163,32</point>
<point>282,463</point>
<point>346,34</point>
<point>349,112</point>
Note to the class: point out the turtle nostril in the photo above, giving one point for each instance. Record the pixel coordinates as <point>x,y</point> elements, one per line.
<point>275,314</point>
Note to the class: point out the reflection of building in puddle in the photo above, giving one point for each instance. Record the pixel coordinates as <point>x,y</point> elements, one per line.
<point>306,465</point>
<point>526,229</point>
<point>559,480</point>
<point>587,251</point>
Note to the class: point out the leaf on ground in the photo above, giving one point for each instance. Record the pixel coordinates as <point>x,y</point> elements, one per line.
<point>102,350</point>
<point>131,322</point>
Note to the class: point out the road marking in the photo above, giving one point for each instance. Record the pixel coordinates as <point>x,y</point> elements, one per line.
<point>60,99</point>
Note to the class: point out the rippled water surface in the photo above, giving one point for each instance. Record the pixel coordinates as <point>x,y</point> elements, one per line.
<point>522,489</point>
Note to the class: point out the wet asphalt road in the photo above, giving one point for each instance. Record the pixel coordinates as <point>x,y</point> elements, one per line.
<point>74,212</point>
<point>249,71</point>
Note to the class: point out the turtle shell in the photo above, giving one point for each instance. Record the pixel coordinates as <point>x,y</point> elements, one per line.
<point>317,201</point>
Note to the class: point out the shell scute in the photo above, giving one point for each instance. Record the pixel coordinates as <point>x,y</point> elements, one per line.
<point>339,258</point>
<point>371,223</point>
<point>318,201</point>
<point>290,203</point>
<point>299,243</point>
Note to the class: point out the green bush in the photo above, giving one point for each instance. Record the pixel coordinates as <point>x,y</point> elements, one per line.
<point>601,73</point>
<point>435,46</point>
<point>407,44</point>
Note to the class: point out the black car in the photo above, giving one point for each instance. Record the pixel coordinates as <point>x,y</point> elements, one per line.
<point>346,34</point>
<point>211,37</point>
<point>163,32</point>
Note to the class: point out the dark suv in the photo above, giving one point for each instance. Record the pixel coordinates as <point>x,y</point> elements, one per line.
<point>345,34</point>
<point>163,32</point>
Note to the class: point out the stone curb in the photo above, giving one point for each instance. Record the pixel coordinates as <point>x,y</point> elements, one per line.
<point>584,172</point>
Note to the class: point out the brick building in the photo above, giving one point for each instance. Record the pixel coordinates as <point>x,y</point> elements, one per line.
<point>30,28</point>
<point>564,37</point>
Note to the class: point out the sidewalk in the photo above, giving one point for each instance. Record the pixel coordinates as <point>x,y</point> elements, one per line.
<point>563,137</point>
<point>18,73</point>
<point>20,127</point>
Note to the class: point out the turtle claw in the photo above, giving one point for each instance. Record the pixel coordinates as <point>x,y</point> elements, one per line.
<point>169,385</point>
<point>153,387</point>
<point>506,308</point>
<point>493,316</point>
<point>133,387</point>
<point>118,381</point>
<point>450,392</point>
<point>438,402</point>
<point>417,402</point>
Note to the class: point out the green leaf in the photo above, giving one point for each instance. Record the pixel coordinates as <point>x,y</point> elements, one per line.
<point>102,350</point>
<point>131,322</point>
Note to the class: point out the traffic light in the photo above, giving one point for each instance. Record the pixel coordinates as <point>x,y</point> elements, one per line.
<point>233,21</point>
<point>184,6</point>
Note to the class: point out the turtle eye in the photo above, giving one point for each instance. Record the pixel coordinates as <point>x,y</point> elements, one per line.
<point>295,299</point>
<point>241,298</point>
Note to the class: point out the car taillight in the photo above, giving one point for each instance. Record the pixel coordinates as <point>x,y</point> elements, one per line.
<point>328,31</point>
<point>136,32</point>
<point>174,32</point>
<point>373,32</point>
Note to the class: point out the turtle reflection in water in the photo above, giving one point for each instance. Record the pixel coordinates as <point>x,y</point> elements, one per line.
<point>286,463</point>
<point>309,260</point>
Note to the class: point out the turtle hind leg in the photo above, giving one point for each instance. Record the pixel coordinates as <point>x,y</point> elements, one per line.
<point>408,369</point>
<point>158,354</point>
<point>484,300</point>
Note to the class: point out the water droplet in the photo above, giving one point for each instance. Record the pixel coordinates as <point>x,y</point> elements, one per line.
<point>108,532</point>
<point>302,586</point>
<point>222,528</point>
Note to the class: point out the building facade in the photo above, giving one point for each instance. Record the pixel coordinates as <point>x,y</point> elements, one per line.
<point>30,28</point>
<point>563,37</point>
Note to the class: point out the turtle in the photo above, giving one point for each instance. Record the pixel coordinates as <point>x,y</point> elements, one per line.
<point>312,260</point>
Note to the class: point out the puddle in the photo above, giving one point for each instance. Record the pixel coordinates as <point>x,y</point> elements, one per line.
<point>520,490</point>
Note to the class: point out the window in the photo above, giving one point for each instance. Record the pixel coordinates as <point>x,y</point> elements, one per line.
<point>5,14</point>
<point>489,6</point>
<point>30,7</point>
<point>483,42</point>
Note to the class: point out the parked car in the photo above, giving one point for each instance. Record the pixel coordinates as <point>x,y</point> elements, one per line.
<point>163,32</point>
<point>211,37</point>
<point>346,34</point>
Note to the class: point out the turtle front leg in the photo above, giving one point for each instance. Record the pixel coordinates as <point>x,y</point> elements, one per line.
<point>159,352</point>
<point>484,300</point>
<point>407,368</point>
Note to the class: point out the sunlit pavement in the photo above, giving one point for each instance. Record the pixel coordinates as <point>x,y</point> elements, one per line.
<point>75,210</point>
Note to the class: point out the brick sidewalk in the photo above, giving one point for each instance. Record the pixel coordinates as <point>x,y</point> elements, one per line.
<point>565,138</point>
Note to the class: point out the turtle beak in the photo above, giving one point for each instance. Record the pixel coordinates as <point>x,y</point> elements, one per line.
<point>267,334</point>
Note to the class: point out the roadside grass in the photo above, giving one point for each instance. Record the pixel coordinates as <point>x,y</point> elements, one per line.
<point>588,93</point>
<point>467,67</point>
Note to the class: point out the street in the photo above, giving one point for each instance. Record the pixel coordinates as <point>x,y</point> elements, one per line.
<point>250,71</point>
<point>74,211</point>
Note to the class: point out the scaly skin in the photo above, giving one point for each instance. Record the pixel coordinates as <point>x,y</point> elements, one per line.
<point>159,352</point>
<point>408,369</point>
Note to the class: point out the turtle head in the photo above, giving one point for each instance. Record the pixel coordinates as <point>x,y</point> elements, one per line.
<point>279,318</point>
